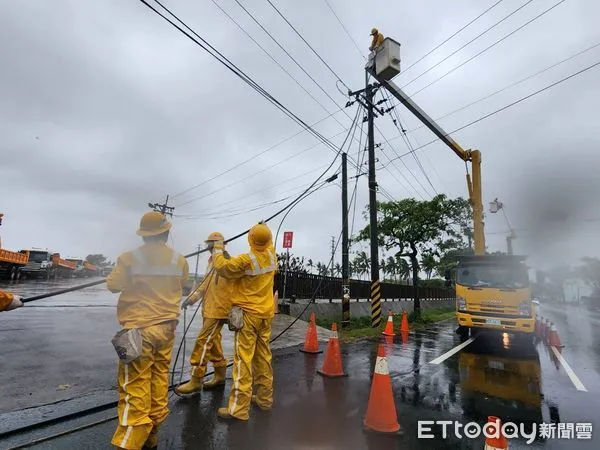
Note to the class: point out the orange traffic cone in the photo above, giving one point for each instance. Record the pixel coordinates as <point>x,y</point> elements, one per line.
<point>381,411</point>
<point>537,326</point>
<point>332,363</point>
<point>554,338</point>
<point>404,324</point>
<point>547,335</point>
<point>495,443</point>
<point>389,326</point>
<point>311,343</point>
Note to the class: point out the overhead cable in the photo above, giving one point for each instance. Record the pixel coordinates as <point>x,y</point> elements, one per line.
<point>506,36</point>
<point>468,43</point>
<point>516,102</point>
<point>453,35</point>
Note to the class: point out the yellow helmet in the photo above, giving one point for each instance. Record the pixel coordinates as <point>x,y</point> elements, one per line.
<point>260,236</point>
<point>374,31</point>
<point>153,223</point>
<point>215,236</point>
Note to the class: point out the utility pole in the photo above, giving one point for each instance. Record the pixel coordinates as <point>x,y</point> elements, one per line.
<point>367,102</point>
<point>163,207</point>
<point>332,271</point>
<point>375,287</point>
<point>345,246</point>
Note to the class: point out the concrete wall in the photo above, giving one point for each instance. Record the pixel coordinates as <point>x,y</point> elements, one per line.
<point>361,308</point>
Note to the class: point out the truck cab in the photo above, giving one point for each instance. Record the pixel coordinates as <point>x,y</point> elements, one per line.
<point>40,262</point>
<point>492,292</point>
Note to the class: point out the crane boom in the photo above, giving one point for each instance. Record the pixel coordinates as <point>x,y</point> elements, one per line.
<point>472,156</point>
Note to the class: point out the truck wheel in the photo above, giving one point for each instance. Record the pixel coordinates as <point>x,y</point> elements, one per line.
<point>13,272</point>
<point>463,332</point>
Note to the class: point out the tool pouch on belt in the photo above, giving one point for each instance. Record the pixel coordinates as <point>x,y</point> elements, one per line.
<point>235,321</point>
<point>128,344</point>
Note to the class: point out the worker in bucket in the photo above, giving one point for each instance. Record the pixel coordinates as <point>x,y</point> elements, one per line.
<point>9,301</point>
<point>376,41</point>
<point>251,317</point>
<point>216,292</point>
<point>150,280</point>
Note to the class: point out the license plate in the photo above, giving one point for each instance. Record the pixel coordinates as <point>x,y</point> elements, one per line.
<point>492,322</point>
<point>498,365</point>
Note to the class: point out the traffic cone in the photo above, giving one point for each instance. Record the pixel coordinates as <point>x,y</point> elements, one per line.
<point>404,324</point>
<point>311,343</point>
<point>389,326</point>
<point>496,443</point>
<point>543,330</point>
<point>554,338</point>
<point>537,327</point>
<point>547,334</point>
<point>332,363</point>
<point>381,413</point>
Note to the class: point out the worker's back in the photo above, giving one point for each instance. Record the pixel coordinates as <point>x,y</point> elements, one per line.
<point>150,279</point>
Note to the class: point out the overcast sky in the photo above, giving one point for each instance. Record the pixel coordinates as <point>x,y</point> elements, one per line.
<point>105,107</point>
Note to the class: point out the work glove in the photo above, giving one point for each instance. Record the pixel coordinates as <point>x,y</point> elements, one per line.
<point>16,303</point>
<point>185,303</point>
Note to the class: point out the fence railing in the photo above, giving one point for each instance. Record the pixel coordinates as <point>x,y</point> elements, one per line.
<point>303,286</point>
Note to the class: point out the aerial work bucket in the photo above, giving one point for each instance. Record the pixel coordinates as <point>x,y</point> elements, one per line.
<point>386,59</point>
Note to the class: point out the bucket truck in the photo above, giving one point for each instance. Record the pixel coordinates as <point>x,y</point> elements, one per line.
<point>492,291</point>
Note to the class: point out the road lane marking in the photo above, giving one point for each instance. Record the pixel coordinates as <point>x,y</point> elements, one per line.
<point>576,381</point>
<point>449,353</point>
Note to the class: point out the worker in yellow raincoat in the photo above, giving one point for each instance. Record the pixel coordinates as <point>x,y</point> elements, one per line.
<point>9,301</point>
<point>254,295</point>
<point>216,292</point>
<point>150,280</point>
<point>377,39</point>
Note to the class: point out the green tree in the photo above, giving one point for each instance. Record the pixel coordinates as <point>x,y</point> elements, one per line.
<point>310,264</point>
<point>97,259</point>
<point>337,269</point>
<point>589,272</point>
<point>413,227</point>
<point>362,263</point>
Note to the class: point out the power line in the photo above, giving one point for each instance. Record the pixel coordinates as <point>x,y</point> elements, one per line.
<point>206,46</point>
<point>306,42</point>
<point>269,55</point>
<point>345,30</point>
<point>489,47</point>
<point>468,43</point>
<point>240,180</point>
<point>253,157</point>
<point>522,80</point>
<point>454,34</point>
<point>516,102</point>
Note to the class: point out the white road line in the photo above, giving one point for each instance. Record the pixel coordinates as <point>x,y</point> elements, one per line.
<point>449,353</point>
<point>576,381</point>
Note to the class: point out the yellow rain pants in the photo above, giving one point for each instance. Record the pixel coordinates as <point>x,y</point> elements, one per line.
<point>208,347</point>
<point>144,386</point>
<point>252,351</point>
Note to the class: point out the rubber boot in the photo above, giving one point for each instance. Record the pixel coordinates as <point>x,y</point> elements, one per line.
<point>218,378</point>
<point>254,400</point>
<point>191,387</point>
<point>152,441</point>
<point>223,413</point>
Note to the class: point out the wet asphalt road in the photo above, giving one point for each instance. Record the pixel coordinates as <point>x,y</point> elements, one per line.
<point>493,375</point>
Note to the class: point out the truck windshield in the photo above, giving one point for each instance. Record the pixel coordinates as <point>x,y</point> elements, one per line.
<point>497,276</point>
<point>38,257</point>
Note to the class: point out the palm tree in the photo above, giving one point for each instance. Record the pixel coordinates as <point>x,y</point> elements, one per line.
<point>403,268</point>
<point>391,267</point>
<point>337,269</point>
<point>310,265</point>
<point>429,264</point>
<point>383,267</point>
